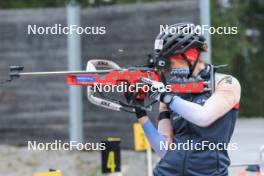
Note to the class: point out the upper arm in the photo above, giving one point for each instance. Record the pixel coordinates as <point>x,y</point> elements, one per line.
<point>229,88</point>
<point>225,97</point>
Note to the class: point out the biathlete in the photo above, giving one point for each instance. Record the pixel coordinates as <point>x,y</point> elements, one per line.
<point>197,119</point>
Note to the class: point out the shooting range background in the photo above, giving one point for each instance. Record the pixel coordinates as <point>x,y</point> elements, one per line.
<point>37,108</point>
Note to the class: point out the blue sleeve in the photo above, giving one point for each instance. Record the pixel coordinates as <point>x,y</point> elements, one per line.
<point>155,138</point>
<point>200,115</point>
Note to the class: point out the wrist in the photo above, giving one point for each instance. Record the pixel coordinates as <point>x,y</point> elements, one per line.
<point>140,113</point>
<point>166,98</point>
<point>164,115</point>
<point>143,120</point>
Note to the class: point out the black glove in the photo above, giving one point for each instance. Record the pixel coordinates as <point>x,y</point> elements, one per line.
<point>137,103</point>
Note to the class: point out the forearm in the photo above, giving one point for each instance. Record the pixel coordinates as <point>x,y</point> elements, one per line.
<point>164,122</point>
<point>154,137</point>
<point>165,128</point>
<point>190,111</point>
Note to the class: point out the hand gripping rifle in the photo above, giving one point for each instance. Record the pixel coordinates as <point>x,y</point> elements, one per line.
<point>108,73</point>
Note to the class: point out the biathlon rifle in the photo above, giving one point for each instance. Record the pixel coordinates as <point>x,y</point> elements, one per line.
<point>108,73</point>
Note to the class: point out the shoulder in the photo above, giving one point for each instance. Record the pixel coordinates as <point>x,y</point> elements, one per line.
<point>224,79</point>
<point>228,83</point>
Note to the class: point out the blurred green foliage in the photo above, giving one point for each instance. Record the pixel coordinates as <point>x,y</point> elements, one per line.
<point>242,52</point>
<point>5,4</point>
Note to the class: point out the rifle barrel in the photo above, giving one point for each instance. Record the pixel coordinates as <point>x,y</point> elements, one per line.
<point>57,73</point>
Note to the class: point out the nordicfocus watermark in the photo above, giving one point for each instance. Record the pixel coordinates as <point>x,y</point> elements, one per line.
<point>59,145</point>
<point>59,29</point>
<point>125,87</point>
<point>203,145</point>
<point>199,29</point>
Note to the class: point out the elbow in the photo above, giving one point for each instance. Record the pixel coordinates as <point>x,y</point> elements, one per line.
<point>204,122</point>
<point>204,125</point>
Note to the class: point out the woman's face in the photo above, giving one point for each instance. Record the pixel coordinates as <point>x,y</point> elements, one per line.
<point>178,63</point>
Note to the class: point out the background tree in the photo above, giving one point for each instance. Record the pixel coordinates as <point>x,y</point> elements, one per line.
<point>242,51</point>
